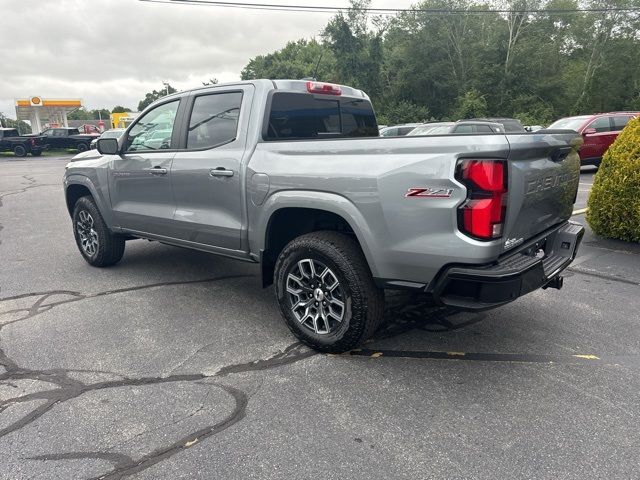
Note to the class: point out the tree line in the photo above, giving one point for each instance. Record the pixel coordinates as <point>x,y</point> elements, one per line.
<point>536,61</point>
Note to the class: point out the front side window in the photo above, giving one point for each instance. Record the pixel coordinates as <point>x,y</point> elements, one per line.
<point>154,129</point>
<point>59,132</point>
<point>214,120</point>
<point>601,124</point>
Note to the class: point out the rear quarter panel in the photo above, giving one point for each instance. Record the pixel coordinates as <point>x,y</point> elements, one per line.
<point>403,238</point>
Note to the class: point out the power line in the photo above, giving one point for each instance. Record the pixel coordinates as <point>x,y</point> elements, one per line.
<point>390,11</point>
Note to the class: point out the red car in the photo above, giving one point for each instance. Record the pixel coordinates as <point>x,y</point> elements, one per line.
<point>598,130</point>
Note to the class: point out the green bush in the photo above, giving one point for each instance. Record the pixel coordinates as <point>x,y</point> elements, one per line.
<point>614,203</point>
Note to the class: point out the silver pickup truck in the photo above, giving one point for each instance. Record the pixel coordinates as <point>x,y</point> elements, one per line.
<point>292,174</point>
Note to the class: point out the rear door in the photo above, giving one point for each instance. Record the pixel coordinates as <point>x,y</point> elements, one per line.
<point>140,178</point>
<point>543,177</point>
<point>207,170</point>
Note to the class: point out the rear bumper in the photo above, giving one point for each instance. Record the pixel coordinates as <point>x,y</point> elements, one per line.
<point>481,288</point>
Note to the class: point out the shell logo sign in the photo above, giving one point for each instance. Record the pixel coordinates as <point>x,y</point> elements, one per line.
<point>36,101</point>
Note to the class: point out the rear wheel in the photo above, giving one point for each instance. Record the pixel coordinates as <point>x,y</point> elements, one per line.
<point>83,147</point>
<point>36,153</point>
<point>98,246</point>
<point>20,151</point>
<point>326,293</point>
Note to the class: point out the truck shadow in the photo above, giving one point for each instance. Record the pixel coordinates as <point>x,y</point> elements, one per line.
<point>407,311</point>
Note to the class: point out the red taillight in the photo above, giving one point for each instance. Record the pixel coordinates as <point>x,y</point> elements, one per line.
<point>325,88</point>
<point>482,215</point>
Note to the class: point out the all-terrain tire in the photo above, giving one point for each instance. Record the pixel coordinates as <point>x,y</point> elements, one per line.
<point>363,300</point>
<point>98,246</point>
<point>83,147</point>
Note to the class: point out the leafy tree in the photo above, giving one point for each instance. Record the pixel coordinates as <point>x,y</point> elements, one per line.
<point>535,65</point>
<point>154,95</point>
<point>120,109</point>
<point>6,122</point>
<point>211,81</point>
<point>471,105</point>
<point>299,59</point>
<point>83,114</point>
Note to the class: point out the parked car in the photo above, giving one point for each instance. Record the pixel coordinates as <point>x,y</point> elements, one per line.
<point>67,137</point>
<point>111,133</point>
<point>599,132</point>
<point>300,182</point>
<point>456,128</point>
<point>398,130</point>
<point>511,125</point>
<point>12,141</point>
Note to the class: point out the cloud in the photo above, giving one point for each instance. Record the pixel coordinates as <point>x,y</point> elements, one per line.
<point>111,52</point>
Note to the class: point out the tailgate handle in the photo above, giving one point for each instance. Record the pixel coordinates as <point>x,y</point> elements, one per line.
<point>561,153</point>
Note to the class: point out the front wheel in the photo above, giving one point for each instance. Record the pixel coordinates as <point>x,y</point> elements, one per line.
<point>83,147</point>
<point>326,292</point>
<point>36,153</point>
<point>98,246</point>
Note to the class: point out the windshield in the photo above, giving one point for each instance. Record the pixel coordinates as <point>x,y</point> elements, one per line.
<point>569,123</point>
<point>432,129</point>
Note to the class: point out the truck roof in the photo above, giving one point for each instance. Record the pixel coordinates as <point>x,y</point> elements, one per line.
<point>281,84</point>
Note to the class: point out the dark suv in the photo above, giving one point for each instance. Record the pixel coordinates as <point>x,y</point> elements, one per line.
<point>599,132</point>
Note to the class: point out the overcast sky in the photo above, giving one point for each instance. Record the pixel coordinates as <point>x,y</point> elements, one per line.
<point>111,52</point>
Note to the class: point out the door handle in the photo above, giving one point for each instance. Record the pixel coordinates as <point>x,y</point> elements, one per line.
<point>220,172</point>
<point>156,171</point>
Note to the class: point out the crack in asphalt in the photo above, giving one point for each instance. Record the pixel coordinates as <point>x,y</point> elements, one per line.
<point>68,388</point>
<point>603,276</point>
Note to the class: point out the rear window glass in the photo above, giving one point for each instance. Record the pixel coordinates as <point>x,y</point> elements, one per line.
<point>296,116</point>
<point>620,121</point>
<point>214,119</point>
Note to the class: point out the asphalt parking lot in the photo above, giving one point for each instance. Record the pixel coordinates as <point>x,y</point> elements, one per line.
<point>176,364</point>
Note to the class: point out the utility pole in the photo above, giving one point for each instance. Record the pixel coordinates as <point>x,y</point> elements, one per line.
<point>166,84</point>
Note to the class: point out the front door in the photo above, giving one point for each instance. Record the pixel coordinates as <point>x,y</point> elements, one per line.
<point>596,143</point>
<point>206,172</point>
<point>140,178</point>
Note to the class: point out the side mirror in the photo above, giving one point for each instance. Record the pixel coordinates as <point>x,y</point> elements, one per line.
<point>107,146</point>
<point>589,131</point>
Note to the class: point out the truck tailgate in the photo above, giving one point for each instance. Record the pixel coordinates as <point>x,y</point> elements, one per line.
<point>543,176</point>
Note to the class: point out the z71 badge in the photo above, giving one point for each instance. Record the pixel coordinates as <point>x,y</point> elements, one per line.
<point>429,192</point>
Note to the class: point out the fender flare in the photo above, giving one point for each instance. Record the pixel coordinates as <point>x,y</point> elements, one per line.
<point>101,202</point>
<point>316,200</point>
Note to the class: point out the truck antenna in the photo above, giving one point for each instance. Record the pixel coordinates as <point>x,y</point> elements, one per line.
<point>315,71</point>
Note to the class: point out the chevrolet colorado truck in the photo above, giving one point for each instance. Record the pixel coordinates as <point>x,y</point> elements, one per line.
<point>292,175</point>
<point>20,145</point>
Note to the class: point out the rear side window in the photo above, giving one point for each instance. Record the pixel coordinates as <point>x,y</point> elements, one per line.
<point>483,129</point>
<point>297,116</point>
<point>620,121</point>
<point>214,120</point>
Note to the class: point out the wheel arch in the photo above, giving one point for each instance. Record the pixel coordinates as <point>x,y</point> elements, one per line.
<point>77,186</point>
<point>292,214</point>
